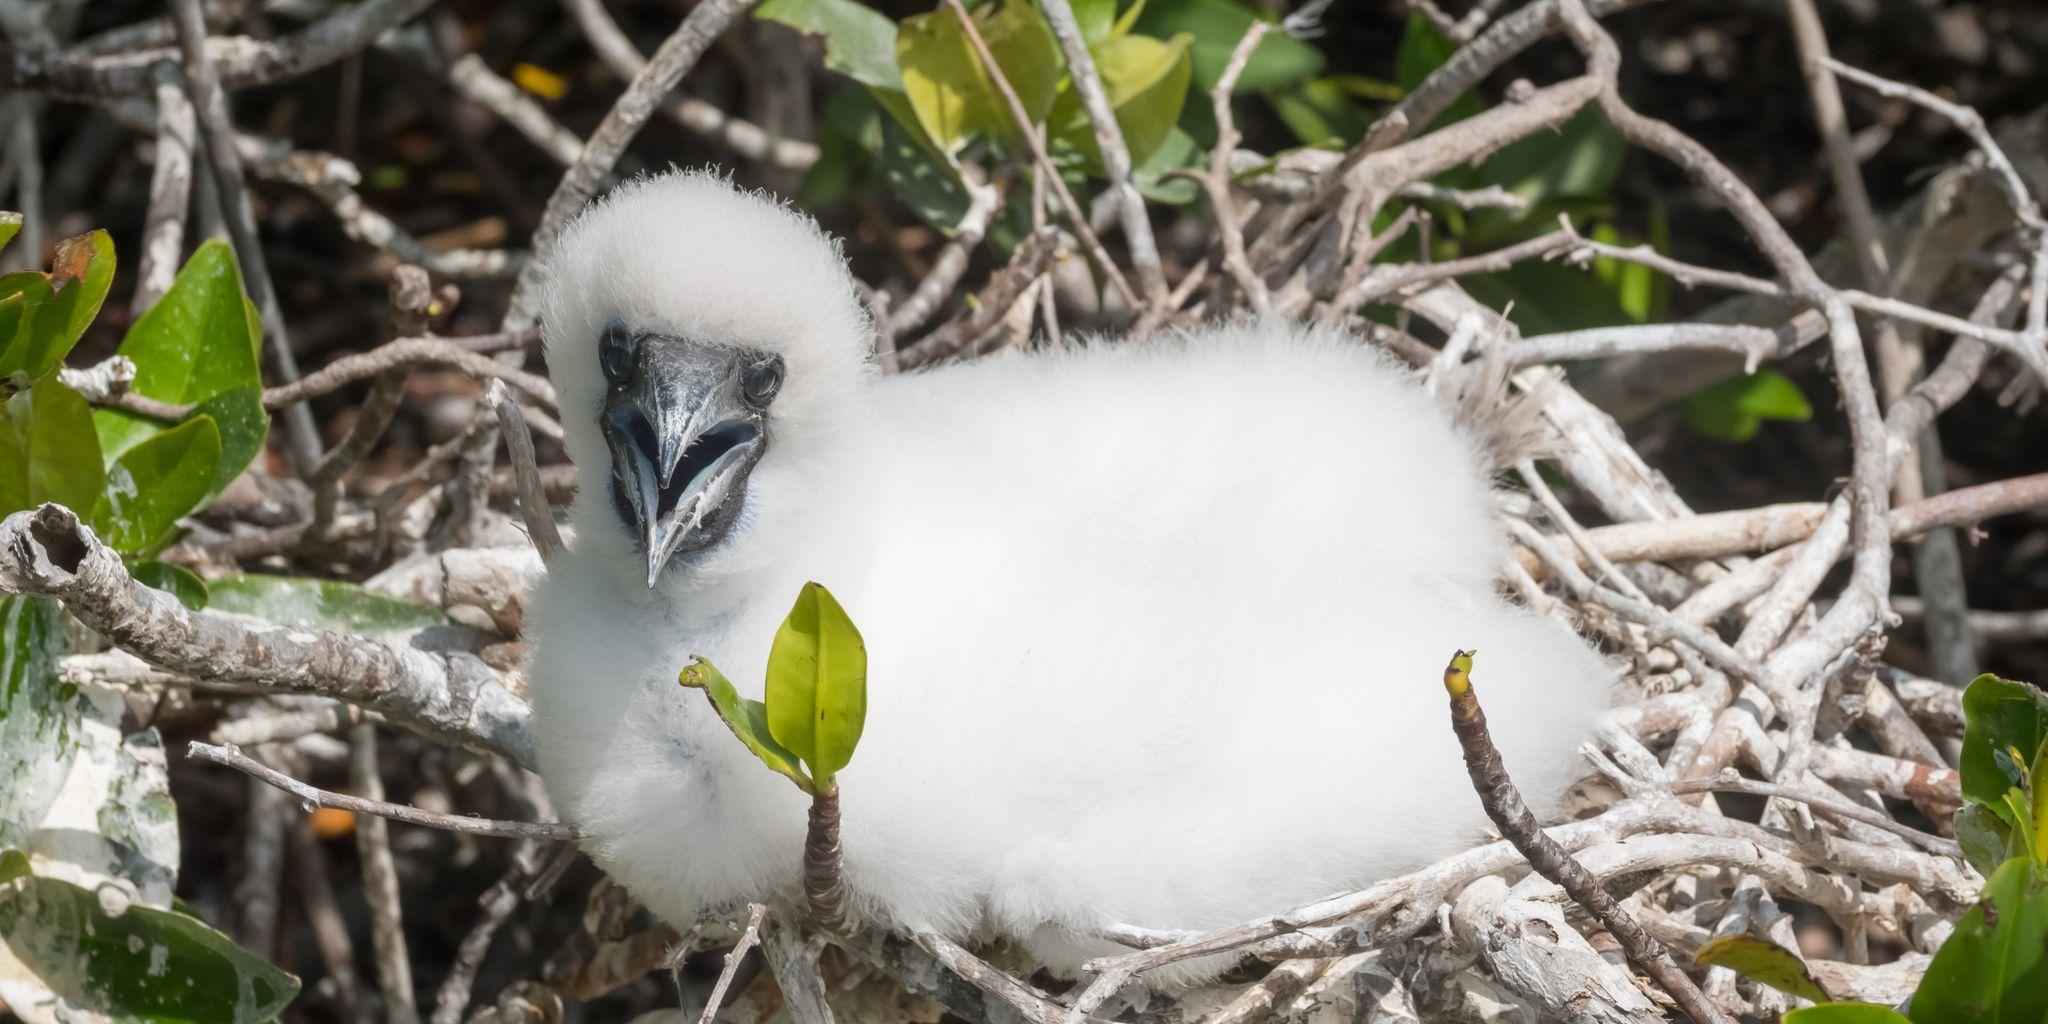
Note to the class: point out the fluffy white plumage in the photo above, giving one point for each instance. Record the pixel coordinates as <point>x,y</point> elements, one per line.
<point>1155,631</point>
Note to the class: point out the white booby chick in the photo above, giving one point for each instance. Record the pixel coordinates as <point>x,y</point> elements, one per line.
<point>1155,631</point>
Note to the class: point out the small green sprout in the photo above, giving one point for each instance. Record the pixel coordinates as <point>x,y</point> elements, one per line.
<point>817,694</point>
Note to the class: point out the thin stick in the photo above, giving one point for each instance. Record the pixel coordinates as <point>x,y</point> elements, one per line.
<point>1109,141</point>
<point>231,757</point>
<point>1077,215</point>
<point>533,496</point>
<point>748,940</point>
<point>380,880</point>
<point>677,55</point>
<point>216,129</point>
<point>170,194</point>
<point>1503,803</point>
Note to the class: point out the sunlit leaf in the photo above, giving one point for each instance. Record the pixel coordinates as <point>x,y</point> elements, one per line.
<point>1762,961</point>
<point>320,604</point>
<point>176,581</point>
<point>948,85</point>
<point>156,483</point>
<point>1147,82</point>
<point>143,964</point>
<point>1097,19</point>
<point>198,342</point>
<point>10,225</point>
<point>1995,966</point>
<point>747,719</point>
<point>55,308</point>
<point>1735,409</point>
<point>1216,27</point>
<point>817,683</point>
<point>859,41</point>
<point>47,450</point>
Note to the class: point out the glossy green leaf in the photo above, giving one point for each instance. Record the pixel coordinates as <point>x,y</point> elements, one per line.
<point>147,964</point>
<point>859,41</point>
<point>1147,83</point>
<point>176,581</point>
<point>1995,967</point>
<point>1762,961</point>
<point>1999,715</point>
<point>156,483</point>
<point>817,684</point>
<point>1216,27</point>
<point>56,307</point>
<point>1735,409</point>
<point>319,604</point>
<point>198,342</point>
<point>948,86</point>
<point>748,720</point>
<point>47,450</point>
<point>10,225</point>
<point>238,414</point>
<point>1846,1013</point>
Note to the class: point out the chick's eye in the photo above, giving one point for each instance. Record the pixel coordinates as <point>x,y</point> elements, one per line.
<point>759,381</point>
<point>615,352</point>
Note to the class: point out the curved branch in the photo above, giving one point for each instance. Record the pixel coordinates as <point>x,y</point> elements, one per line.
<point>448,696</point>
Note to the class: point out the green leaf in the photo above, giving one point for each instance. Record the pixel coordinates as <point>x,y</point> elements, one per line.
<point>1097,19</point>
<point>1995,966</point>
<point>10,225</point>
<point>38,718</point>
<point>1762,961</point>
<point>238,414</point>
<point>859,41</point>
<point>176,581</point>
<point>56,307</point>
<point>1580,160</point>
<point>47,450</point>
<point>1216,27</point>
<point>817,690</point>
<point>748,720</point>
<point>950,89</point>
<point>1734,409</point>
<point>1147,82</point>
<point>928,185</point>
<point>1177,152</point>
<point>156,483</point>
<point>1998,714</point>
<point>1985,837</point>
<point>156,965</point>
<point>197,343</point>
<point>319,604</point>
<point>1320,111</point>
<point>1846,1013</point>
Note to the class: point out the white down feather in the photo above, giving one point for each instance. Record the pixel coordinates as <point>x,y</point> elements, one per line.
<point>1156,631</point>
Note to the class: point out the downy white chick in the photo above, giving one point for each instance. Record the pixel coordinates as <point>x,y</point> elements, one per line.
<point>1155,631</point>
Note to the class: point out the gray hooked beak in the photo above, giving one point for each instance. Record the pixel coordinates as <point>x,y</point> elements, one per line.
<point>683,438</point>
